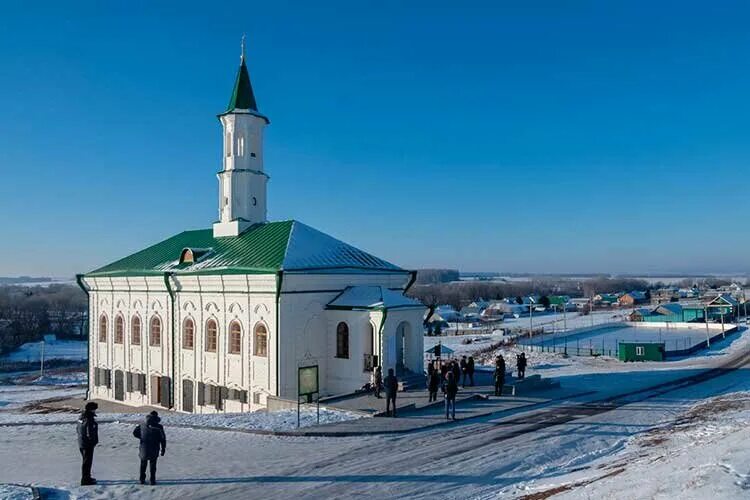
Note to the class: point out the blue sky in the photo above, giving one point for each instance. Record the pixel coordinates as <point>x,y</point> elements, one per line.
<point>558,137</point>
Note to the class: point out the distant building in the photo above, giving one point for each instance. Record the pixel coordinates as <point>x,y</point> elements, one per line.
<point>606,299</point>
<point>633,298</point>
<point>663,295</point>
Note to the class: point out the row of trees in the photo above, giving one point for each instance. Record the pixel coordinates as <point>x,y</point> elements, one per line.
<point>27,313</point>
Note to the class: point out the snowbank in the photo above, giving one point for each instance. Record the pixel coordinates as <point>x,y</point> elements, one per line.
<point>75,350</point>
<point>14,492</point>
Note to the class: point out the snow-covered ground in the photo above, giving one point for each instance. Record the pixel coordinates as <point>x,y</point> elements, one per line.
<point>59,349</point>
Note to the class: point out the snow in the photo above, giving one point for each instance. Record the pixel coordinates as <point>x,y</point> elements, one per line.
<point>59,349</point>
<point>15,492</point>
<point>17,396</point>
<point>370,297</point>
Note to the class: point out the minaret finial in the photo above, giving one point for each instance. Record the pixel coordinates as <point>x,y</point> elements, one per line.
<point>242,55</point>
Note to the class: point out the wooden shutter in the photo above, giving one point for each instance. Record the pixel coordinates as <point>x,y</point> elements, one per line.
<point>128,382</point>
<point>142,378</point>
<point>96,376</point>
<point>108,378</point>
<point>243,397</point>
<point>201,393</point>
<point>165,391</point>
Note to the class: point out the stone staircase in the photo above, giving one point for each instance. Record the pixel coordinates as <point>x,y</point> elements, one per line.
<point>410,381</point>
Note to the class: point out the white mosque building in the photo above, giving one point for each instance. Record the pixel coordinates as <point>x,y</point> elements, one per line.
<point>222,319</point>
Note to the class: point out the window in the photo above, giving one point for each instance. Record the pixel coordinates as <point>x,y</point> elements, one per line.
<point>211,336</point>
<point>135,331</point>
<point>119,330</point>
<point>188,334</point>
<point>639,350</point>
<point>235,338</point>
<point>155,338</point>
<point>103,328</point>
<point>342,340</point>
<point>261,340</point>
<point>228,145</point>
<point>240,146</point>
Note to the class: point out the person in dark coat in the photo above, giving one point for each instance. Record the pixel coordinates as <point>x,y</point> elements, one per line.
<point>391,388</point>
<point>377,381</point>
<point>88,438</point>
<point>456,369</point>
<point>433,383</point>
<point>153,439</point>
<point>499,375</point>
<point>451,389</point>
<point>464,372</point>
<point>521,365</point>
<point>470,370</point>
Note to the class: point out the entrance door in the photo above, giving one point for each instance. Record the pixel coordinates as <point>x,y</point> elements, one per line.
<point>119,386</point>
<point>155,390</point>
<point>187,395</point>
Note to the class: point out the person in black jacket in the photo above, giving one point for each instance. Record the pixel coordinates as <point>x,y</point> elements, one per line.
<point>464,371</point>
<point>433,383</point>
<point>88,438</point>
<point>470,370</point>
<point>451,389</point>
<point>499,375</point>
<point>521,365</point>
<point>391,388</point>
<point>151,434</point>
<point>456,369</point>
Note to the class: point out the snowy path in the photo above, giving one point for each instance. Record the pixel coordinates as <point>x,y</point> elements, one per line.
<point>471,459</point>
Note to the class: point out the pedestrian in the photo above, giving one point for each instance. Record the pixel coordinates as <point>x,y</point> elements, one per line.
<point>464,373</point>
<point>391,388</point>
<point>456,369</point>
<point>470,370</point>
<point>433,383</point>
<point>430,368</point>
<point>377,381</point>
<point>451,389</point>
<point>499,375</point>
<point>153,439</point>
<point>88,438</point>
<point>521,365</point>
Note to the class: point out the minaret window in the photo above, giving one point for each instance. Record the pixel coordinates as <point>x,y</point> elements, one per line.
<point>240,146</point>
<point>228,145</point>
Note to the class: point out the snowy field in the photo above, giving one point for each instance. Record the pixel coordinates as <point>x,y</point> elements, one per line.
<point>59,349</point>
<point>606,338</point>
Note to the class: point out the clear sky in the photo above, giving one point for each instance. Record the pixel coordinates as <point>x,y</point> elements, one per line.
<point>564,137</point>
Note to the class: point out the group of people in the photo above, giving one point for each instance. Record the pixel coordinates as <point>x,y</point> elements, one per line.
<point>446,376</point>
<point>150,433</point>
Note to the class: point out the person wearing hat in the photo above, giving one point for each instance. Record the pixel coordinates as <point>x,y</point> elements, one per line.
<point>88,438</point>
<point>151,434</point>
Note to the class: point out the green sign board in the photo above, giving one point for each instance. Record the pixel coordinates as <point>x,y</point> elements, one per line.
<point>307,380</point>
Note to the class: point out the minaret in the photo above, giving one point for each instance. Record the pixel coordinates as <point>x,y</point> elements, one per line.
<point>242,181</point>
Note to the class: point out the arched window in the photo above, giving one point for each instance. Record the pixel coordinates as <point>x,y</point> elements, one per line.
<point>235,338</point>
<point>103,328</point>
<point>342,340</point>
<point>188,334</point>
<point>240,146</point>
<point>212,333</point>
<point>228,145</point>
<point>135,331</point>
<point>119,330</point>
<point>261,340</point>
<point>155,337</point>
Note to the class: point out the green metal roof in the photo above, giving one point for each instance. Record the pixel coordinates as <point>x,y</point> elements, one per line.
<point>242,94</point>
<point>263,248</point>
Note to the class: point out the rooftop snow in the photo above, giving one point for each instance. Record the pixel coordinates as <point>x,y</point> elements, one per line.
<point>372,297</point>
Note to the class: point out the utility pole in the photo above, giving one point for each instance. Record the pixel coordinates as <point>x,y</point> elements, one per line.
<point>41,369</point>
<point>705,319</point>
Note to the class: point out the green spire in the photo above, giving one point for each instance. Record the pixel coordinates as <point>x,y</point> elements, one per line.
<point>242,95</point>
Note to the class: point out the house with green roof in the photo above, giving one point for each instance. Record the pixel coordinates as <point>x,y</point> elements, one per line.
<point>226,318</point>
